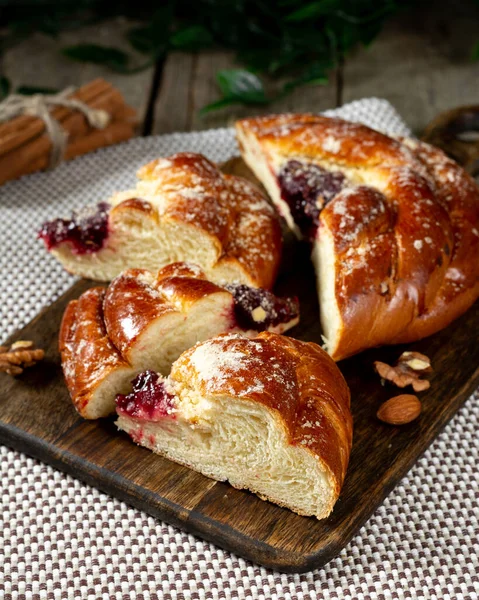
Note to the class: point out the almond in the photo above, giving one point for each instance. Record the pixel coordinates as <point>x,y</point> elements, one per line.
<point>400,410</point>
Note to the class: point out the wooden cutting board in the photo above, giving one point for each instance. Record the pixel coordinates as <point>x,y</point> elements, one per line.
<point>37,417</point>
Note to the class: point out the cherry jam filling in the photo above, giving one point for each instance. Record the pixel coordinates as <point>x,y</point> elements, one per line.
<point>307,188</point>
<point>259,309</point>
<point>148,399</point>
<point>87,230</point>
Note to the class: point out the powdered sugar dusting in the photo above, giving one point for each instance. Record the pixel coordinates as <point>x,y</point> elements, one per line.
<point>163,163</point>
<point>418,244</point>
<point>181,269</point>
<point>215,363</point>
<point>210,362</point>
<point>190,188</point>
<point>332,144</point>
<point>233,364</point>
<point>252,233</point>
<point>422,195</point>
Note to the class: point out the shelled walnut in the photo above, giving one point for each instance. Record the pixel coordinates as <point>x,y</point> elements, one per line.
<point>19,356</point>
<point>408,370</point>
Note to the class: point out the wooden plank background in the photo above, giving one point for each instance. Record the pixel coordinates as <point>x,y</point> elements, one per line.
<point>420,63</point>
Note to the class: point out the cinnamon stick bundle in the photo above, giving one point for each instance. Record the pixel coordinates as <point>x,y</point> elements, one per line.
<point>25,145</point>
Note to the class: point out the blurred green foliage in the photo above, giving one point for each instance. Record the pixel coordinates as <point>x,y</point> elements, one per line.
<point>298,41</point>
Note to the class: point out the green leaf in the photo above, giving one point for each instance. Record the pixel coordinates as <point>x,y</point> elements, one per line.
<point>315,74</point>
<point>4,87</point>
<point>272,60</point>
<point>192,38</point>
<point>217,105</point>
<point>153,38</point>
<point>99,55</point>
<point>241,84</point>
<point>369,32</point>
<point>238,87</point>
<point>475,52</point>
<point>386,8</point>
<point>345,33</point>
<point>312,10</point>
<point>140,39</point>
<point>279,39</point>
<point>28,90</point>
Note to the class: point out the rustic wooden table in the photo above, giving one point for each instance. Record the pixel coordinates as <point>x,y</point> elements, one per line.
<point>420,63</point>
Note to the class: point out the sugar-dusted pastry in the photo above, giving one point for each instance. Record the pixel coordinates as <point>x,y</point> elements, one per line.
<point>145,321</point>
<point>393,224</point>
<point>269,414</point>
<point>182,209</point>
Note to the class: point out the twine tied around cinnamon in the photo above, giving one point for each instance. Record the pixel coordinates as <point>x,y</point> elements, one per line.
<point>39,106</point>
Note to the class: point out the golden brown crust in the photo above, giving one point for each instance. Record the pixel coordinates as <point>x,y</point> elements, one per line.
<point>458,194</point>
<point>180,269</point>
<point>99,330</point>
<point>130,206</point>
<point>182,208</point>
<point>193,187</point>
<point>137,298</point>
<point>405,229</point>
<point>131,304</point>
<point>230,209</point>
<point>66,344</point>
<point>311,135</point>
<point>254,238</point>
<point>88,356</point>
<point>297,380</point>
<point>109,329</point>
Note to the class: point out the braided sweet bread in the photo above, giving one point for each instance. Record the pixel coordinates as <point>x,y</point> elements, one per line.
<point>183,209</point>
<point>269,414</point>
<point>145,321</point>
<point>393,223</point>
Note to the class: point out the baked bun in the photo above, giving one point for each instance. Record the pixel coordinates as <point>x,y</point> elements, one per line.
<point>183,209</point>
<point>269,414</point>
<point>393,223</point>
<point>145,321</point>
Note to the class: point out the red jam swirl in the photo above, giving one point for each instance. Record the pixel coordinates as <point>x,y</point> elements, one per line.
<point>307,188</point>
<point>86,230</point>
<point>148,399</point>
<point>274,310</point>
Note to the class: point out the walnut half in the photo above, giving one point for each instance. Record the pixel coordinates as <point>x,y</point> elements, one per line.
<point>408,370</point>
<point>19,356</point>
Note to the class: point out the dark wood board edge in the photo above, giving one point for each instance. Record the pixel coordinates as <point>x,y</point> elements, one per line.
<point>206,527</point>
<point>82,470</point>
<point>400,469</point>
<point>209,529</point>
<point>157,506</point>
